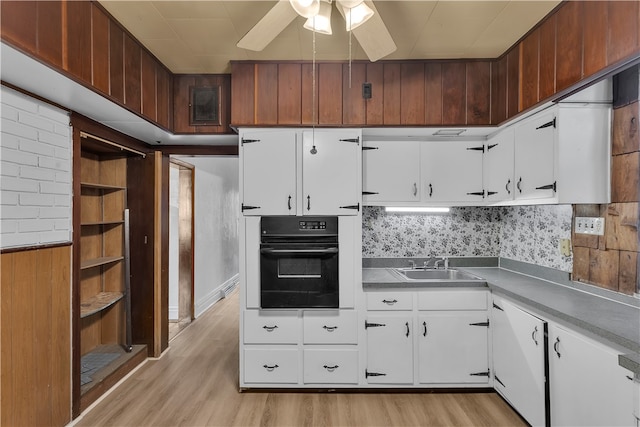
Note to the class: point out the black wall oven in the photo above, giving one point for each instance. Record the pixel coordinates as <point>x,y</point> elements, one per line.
<point>299,262</point>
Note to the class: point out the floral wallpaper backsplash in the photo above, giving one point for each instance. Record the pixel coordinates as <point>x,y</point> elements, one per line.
<point>523,233</point>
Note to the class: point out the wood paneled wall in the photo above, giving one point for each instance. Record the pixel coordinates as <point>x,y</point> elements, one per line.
<point>409,93</point>
<point>579,40</point>
<point>35,342</point>
<point>82,40</point>
<point>612,261</point>
<point>182,85</point>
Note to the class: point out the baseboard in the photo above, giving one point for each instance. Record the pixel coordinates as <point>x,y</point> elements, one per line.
<point>215,295</point>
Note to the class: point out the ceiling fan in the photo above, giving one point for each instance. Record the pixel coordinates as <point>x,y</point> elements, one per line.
<point>361,17</point>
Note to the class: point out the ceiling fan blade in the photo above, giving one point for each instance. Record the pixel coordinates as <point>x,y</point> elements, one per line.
<point>271,24</point>
<point>373,36</point>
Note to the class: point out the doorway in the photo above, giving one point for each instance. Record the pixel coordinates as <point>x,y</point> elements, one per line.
<point>181,243</point>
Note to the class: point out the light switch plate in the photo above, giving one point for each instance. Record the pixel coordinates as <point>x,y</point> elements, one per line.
<point>589,225</point>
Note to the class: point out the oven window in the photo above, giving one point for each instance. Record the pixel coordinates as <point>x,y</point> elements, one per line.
<point>299,268</point>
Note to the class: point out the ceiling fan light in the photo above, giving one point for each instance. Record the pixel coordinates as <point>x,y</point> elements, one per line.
<point>321,23</point>
<point>357,16</point>
<point>306,8</point>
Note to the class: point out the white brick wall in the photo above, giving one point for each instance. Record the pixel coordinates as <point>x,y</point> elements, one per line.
<point>35,172</point>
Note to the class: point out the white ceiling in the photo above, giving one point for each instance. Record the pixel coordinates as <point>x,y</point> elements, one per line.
<point>201,36</point>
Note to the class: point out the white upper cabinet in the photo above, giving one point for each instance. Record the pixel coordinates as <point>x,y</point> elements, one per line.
<point>391,172</point>
<point>498,167</point>
<point>452,172</point>
<point>534,160</point>
<point>563,155</point>
<point>330,172</point>
<point>292,172</point>
<point>268,172</point>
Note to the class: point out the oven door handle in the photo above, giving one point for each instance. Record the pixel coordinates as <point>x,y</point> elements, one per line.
<point>299,251</point>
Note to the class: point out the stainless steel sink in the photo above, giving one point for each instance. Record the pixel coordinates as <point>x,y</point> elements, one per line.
<point>444,275</point>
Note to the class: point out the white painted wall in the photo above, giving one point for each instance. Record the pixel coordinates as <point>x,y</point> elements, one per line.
<point>216,211</point>
<point>174,265</point>
<point>35,172</point>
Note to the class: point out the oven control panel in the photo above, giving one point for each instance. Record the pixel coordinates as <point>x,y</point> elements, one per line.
<point>312,225</point>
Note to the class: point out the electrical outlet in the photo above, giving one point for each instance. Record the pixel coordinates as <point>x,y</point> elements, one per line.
<point>589,225</point>
<point>565,247</point>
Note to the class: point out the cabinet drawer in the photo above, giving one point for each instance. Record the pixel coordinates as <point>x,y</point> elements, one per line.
<point>330,327</point>
<point>271,366</point>
<point>331,366</point>
<point>271,327</point>
<point>389,301</point>
<point>452,300</point>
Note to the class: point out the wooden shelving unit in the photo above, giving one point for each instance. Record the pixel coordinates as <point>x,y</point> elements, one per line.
<point>103,316</point>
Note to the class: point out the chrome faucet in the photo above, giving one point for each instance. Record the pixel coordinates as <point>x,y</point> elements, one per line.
<point>444,262</point>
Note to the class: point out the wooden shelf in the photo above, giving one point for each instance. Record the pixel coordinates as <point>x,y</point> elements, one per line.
<point>96,262</point>
<point>102,186</point>
<point>88,224</point>
<point>99,302</point>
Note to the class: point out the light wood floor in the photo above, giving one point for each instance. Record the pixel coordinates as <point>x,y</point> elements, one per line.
<point>196,384</point>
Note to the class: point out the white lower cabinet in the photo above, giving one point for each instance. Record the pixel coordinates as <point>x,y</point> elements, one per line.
<point>587,386</point>
<point>271,327</point>
<point>389,349</point>
<point>275,366</point>
<point>330,366</point>
<point>330,327</point>
<point>452,347</point>
<point>519,360</point>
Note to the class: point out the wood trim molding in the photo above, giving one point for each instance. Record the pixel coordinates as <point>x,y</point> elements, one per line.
<point>200,150</point>
<point>34,247</point>
<point>157,250</point>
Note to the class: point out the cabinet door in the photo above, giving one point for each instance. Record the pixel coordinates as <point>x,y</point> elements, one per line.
<point>391,171</point>
<point>268,172</point>
<point>534,154</point>
<point>452,171</point>
<point>587,386</point>
<point>518,360</point>
<point>389,350</point>
<point>498,167</point>
<point>453,347</point>
<point>330,172</point>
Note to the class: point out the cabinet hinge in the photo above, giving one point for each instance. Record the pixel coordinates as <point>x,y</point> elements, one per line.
<point>481,374</point>
<point>548,124</point>
<point>491,193</point>
<point>354,207</point>
<point>369,193</point>
<point>369,148</point>
<point>490,146</point>
<point>476,193</point>
<point>548,187</point>
<point>486,324</point>
<point>496,306</point>
<point>368,374</point>
<point>498,379</point>
<point>373,325</point>
<point>248,141</point>
<point>248,208</point>
<point>480,148</point>
<point>354,140</point>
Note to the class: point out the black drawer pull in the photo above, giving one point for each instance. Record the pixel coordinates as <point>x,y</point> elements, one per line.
<point>555,347</point>
<point>329,328</point>
<point>331,368</point>
<point>270,368</point>
<point>270,328</point>
<point>393,301</point>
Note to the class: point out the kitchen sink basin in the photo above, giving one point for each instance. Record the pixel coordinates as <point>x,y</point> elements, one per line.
<point>440,275</point>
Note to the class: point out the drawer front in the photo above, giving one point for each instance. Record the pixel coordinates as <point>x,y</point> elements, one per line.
<point>271,327</point>
<point>271,366</point>
<point>331,366</point>
<point>437,299</point>
<point>389,301</point>
<point>330,327</point>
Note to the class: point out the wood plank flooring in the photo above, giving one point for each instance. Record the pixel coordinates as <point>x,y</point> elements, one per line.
<point>196,384</point>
